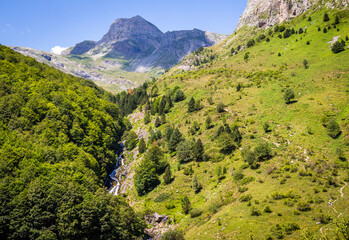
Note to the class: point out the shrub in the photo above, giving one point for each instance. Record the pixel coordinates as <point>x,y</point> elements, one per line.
<point>325,30</point>
<point>266,127</point>
<point>251,43</point>
<point>214,205</point>
<point>267,209</point>
<point>288,95</point>
<point>255,212</point>
<point>306,63</point>
<point>245,198</point>
<point>309,19</point>
<point>337,47</point>
<point>333,128</point>
<point>173,235</point>
<point>300,31</point>
<point>162,197</point>
<point>238,175</point>
<point>220,107</point>
<point>195,212</point>
<point>303,206</point>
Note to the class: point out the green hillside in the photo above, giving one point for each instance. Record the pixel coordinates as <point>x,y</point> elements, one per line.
<point>58,137</point>
<point>273,117</point>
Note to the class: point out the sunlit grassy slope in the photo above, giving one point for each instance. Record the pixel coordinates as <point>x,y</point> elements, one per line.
<point>305,167</point>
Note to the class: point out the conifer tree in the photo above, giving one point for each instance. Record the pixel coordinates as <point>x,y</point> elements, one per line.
<point>326,17</point>
<point>198,150</point>
<point>176,137</point>
<point>186,205</point>
<point>147,118</point>
<point>167,175</point>
<point>142,147</point>
<point>191,105</point>
<point>157,122</point>
<point>208,122</point>
<point>196,185</point>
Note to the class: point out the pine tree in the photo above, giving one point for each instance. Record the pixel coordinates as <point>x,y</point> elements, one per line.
<point>168,133</point>
<point>167,175</point>
<point>141,146</point>
<point>196,185</point>
<point>198,150</point>
<point>326,17</point>
<point>191,105</point>
<point>163,119</point>
<point>208,122</point>
<point>300,31</point>
<point>186,205</point>
<point>198,105</point>
<point>157,122</point>
<point>337,20</point>
<point>232,51</point>
<point>147,118</point>
<point>325,30</point>
<point>176,137</point>
<point>179,96</point>
<point>309,19</point>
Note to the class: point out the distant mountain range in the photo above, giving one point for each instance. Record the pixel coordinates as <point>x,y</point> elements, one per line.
<point>130,45</point>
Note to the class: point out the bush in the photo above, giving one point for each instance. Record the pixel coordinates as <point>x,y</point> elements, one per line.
<point>303,206</point>
<point>255,212</point>
<point>267,209</point>
<point>195,212</point>
<point>214,206</point>
<point>173,235</point>
<point>238,175</point>
<point>288,95</point>
<point>162,197</point>
<point>245,198</point>
<point>220,107</point>
<point>337,47</point>
<point>333,128</point>
<point>306,63</point>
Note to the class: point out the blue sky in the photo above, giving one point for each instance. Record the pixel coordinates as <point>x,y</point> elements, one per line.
<point>43,24</point>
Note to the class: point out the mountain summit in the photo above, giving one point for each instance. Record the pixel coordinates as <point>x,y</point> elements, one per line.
<point>140,46</point>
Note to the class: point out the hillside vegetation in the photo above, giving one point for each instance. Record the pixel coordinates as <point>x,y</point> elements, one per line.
<point>252,141</point>
<point>58,137</point>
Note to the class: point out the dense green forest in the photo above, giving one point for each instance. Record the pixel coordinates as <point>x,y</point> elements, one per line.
<point>58,137</point>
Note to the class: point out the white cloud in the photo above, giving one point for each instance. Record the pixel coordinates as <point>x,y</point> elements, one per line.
<point>58,50</point>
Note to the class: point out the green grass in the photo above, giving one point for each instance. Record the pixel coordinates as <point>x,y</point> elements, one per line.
<point>323,88</point>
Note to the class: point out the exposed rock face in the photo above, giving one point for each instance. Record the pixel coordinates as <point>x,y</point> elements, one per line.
<point>144,46</point>
<point>266,13</point>
<point>83,47</point>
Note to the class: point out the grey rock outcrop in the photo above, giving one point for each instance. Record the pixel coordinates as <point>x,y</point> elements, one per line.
<point>266,13</point>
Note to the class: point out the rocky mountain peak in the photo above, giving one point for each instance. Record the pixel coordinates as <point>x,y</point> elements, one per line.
<point>126,28</point>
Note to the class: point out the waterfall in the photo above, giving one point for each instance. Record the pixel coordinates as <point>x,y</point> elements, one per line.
<point>112,182</point>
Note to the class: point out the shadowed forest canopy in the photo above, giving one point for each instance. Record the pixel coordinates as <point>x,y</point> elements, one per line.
<point>58,137</point>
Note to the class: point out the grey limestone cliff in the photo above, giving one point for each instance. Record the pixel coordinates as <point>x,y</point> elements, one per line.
<point>266,13</point>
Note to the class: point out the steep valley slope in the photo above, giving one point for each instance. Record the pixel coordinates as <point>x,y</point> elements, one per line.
<point>270,107</point>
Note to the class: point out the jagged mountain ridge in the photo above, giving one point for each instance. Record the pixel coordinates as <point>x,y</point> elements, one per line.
<point>144,46</point>
<point>266,13</point>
